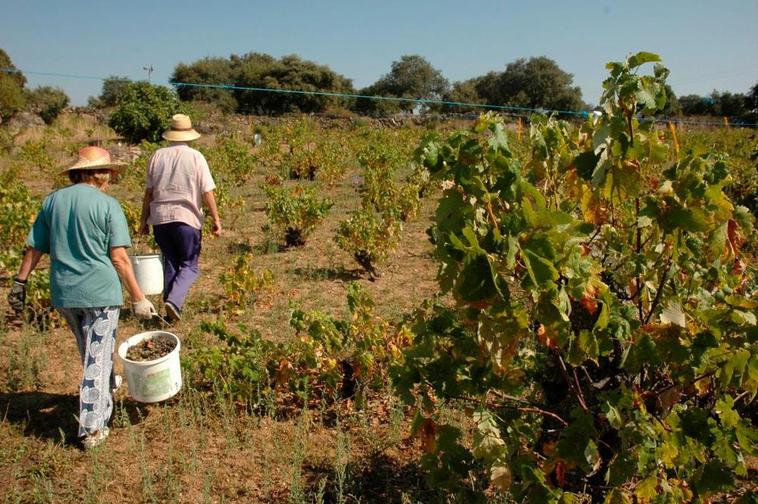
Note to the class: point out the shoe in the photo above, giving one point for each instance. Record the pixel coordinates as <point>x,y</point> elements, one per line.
<point>117,381</point>
<point>172,312</point>
<point>92,440</point>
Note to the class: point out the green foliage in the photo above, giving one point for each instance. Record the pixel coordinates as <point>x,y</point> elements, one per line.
<point>113,86</point>
<point>604,327</point>
<point>740,153</point>
<point>18,209</point>
<point>533,83</point>
<point>369,237</point>
<point>380,189</point>
<point>5,62</point>
<point>372,232</point>
<point>12,98</point>
<point>232,165</point>
<point>47,102</point>
<point>231,160</point>
<point>239,365</point>
<point>295,212</point>
<point>243,285</point>
<point>410,77</point>
<point>140,244</point>
<point>143,111</point>
<point>344,356</point>
<point>329,358</point>
<point>206,71</point>
<point>261,71</point>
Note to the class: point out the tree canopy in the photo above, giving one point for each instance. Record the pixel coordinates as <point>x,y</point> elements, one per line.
<point>112,88</point>
<point>47,102</point>
<point>143,111</point>
<point>536,83</point>
<point>256,70</point>
<point>410,77</point>
<point>12,97</point>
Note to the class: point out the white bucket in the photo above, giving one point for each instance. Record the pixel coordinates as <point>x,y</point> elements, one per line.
<point>155,380</point>
<point>149,272</point>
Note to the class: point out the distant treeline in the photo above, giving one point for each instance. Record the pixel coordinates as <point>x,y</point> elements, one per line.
<point>529,84</point>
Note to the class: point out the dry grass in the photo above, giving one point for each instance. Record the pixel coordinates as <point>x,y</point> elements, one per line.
<point>201,447</point>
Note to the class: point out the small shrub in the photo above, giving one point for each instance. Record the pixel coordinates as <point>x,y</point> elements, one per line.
<point>12,97</point>
<point>239,366</point>
<point>18,209</point>
<point>113,86</point>
<point>330,357</point>
<point>47,102</point>
<point>230,159</point>
<point>369,237</point>
<point>143,111</point>
<point>295,212</point>
<point>243,285</point>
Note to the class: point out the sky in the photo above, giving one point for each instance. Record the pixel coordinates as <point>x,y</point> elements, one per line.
<point>706,44</point>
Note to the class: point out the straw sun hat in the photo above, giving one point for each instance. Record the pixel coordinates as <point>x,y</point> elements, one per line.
<point>94,158</point>
<point>181,130</point>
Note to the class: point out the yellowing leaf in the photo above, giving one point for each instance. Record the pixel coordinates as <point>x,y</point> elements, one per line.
<point>647,489</point>
<point>673,314</point>
<point>500,475</point>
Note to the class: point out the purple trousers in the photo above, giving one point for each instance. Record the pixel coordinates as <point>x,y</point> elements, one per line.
<point>180,245</point>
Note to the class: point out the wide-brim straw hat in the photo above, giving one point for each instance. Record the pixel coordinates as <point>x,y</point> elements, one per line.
<point>181,130</point>
<point>95,158</point>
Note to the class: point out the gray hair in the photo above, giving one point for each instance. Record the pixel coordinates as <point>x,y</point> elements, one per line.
<point>96,177</point>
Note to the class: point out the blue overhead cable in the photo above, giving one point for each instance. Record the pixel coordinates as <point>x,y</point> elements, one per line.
<point>368,97</point>
<point>513,110</point>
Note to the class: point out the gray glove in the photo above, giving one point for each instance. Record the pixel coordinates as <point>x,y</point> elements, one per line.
<point>17,295</point>
<point>144,309</point>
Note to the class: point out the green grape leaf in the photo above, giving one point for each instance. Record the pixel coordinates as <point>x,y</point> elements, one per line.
<point>541,270</point>
<point>585,164</point>
<point>475,282</point>
<point>641,58</point>
<point>714,477</point>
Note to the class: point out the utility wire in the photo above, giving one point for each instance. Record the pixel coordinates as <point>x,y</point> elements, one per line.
<point>513,110</point>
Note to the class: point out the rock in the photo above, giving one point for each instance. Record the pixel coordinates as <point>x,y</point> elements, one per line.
<point>23,121</point>
<point>124,152</point>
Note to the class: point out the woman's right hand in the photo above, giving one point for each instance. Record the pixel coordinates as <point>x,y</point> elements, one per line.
<point>144,228</point>
<point>144,309</point>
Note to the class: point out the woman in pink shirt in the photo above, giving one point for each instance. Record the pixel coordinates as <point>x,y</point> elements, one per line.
<point>178,183</point>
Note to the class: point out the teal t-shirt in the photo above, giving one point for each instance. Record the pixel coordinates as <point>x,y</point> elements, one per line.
<point>77,226</point>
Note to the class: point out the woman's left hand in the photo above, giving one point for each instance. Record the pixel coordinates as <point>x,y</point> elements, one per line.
<point>17,296</point>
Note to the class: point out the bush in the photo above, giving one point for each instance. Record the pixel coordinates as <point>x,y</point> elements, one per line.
<point>603,337</point>
<point>143,111</point>
<point>369,237</point>
<point>295,212</point>
<point>230,159</point>
<point>12,97</point>
<point>17,213</point>
<point>113,86</point>
<point>47,102</point>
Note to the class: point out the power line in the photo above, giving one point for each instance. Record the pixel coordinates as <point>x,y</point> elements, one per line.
<point>512,110</point>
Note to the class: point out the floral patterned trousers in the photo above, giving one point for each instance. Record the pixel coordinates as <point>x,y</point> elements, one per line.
<point>95,331</point>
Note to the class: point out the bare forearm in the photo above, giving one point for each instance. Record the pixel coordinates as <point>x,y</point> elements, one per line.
<point>29,262</point>
<point>125,272</point>
<point>210,201</point>
<point>146,206</point>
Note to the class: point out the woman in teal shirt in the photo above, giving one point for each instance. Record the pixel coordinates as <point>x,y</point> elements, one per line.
<point>86,234</point>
